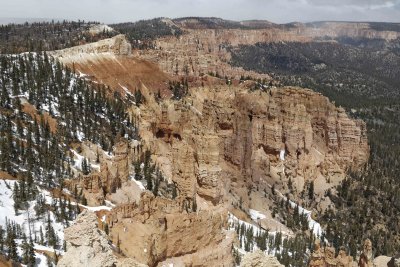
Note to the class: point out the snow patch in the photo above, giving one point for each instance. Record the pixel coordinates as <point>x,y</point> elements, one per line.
<point>140,184</point>
<point>125,89</point>
<point>312,224</point>
<point>78,160</point>
<point>97,208</point>
<point>282,155</point>
<point>256,215</point>
<point>99,28</point>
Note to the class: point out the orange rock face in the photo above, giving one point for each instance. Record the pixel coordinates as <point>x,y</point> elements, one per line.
<point>158,229</point>
<point>231,135</point>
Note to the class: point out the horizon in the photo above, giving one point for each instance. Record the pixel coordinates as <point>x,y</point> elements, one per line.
<point>21,20</point>
<point>277,11</point>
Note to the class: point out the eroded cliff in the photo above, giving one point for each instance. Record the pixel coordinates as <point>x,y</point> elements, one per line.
<point>218,145</point>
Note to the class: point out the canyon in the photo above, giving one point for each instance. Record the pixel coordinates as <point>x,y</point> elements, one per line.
<point>221,145</point>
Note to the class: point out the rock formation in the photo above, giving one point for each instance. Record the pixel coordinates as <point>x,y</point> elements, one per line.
<point>366,257</point>
<point>216,145</point>
<point>128,262</point>
<point>162,229</point>
<point>326,257</point>
<point>232,133</point>
<point>86,244</point>
<point>113,173</point>
<point>202,50</point>
<point>259,259</point>
<point>317,258</point>
<point>117,45</point>
<point>330,260</point>
<point>394,261</point>
<point>343,260</point>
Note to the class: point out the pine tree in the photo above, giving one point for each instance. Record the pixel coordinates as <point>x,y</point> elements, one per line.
<point>25,250</point>
<point>311,190</point>
<point>1,239</point>
<point>31,258</point>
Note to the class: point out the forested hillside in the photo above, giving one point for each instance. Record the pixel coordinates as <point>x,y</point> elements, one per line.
<point>44,109</point>
<point>142,33</point>
<point>47,36</point>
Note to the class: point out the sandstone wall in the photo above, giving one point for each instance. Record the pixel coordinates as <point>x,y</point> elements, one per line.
<point>234,135</point>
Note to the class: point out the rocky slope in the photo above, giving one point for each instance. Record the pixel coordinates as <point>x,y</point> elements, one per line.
<point>88,246</point>
<point>259,259</point>
<point>221,145</point>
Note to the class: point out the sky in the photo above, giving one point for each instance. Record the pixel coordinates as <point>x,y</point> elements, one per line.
<point>278,11</point>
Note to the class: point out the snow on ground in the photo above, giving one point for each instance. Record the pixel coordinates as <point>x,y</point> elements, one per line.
<point>256,215</point>
<point>7,203</point>
<point>125,89</point>
<point>81,74</point>
<point>109,203</point>
<point>95,166</point>
<point>80,135</point>
<point>139,183</point>
<point>233,221</point>
<point>312,224</point>
<point>23,218</point>
<point>41,260</point>
<point>97,208</point>
<point>99,28</point>
<point>282,154</point>
<point>44,248</point>
<point>78,160</point>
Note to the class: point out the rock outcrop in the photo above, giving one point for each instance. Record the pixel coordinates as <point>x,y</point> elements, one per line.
<point>394,261</point>
<point>113,173</point>
<point>128,262</point>
<point>343,260</point>
<point>326,257</point>
<point>259,259</point>
<point>229,135</point>
<point>366,257</point>
<point>86,244</point>
<point>117,45</point>
<point>158,229</point>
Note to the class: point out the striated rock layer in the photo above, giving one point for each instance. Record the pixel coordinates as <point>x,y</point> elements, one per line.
<point>215,145</point>
<point>230,136</point>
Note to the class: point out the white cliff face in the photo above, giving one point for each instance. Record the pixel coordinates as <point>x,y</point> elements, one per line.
<point>87,245</point>
<point>111,47</point>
